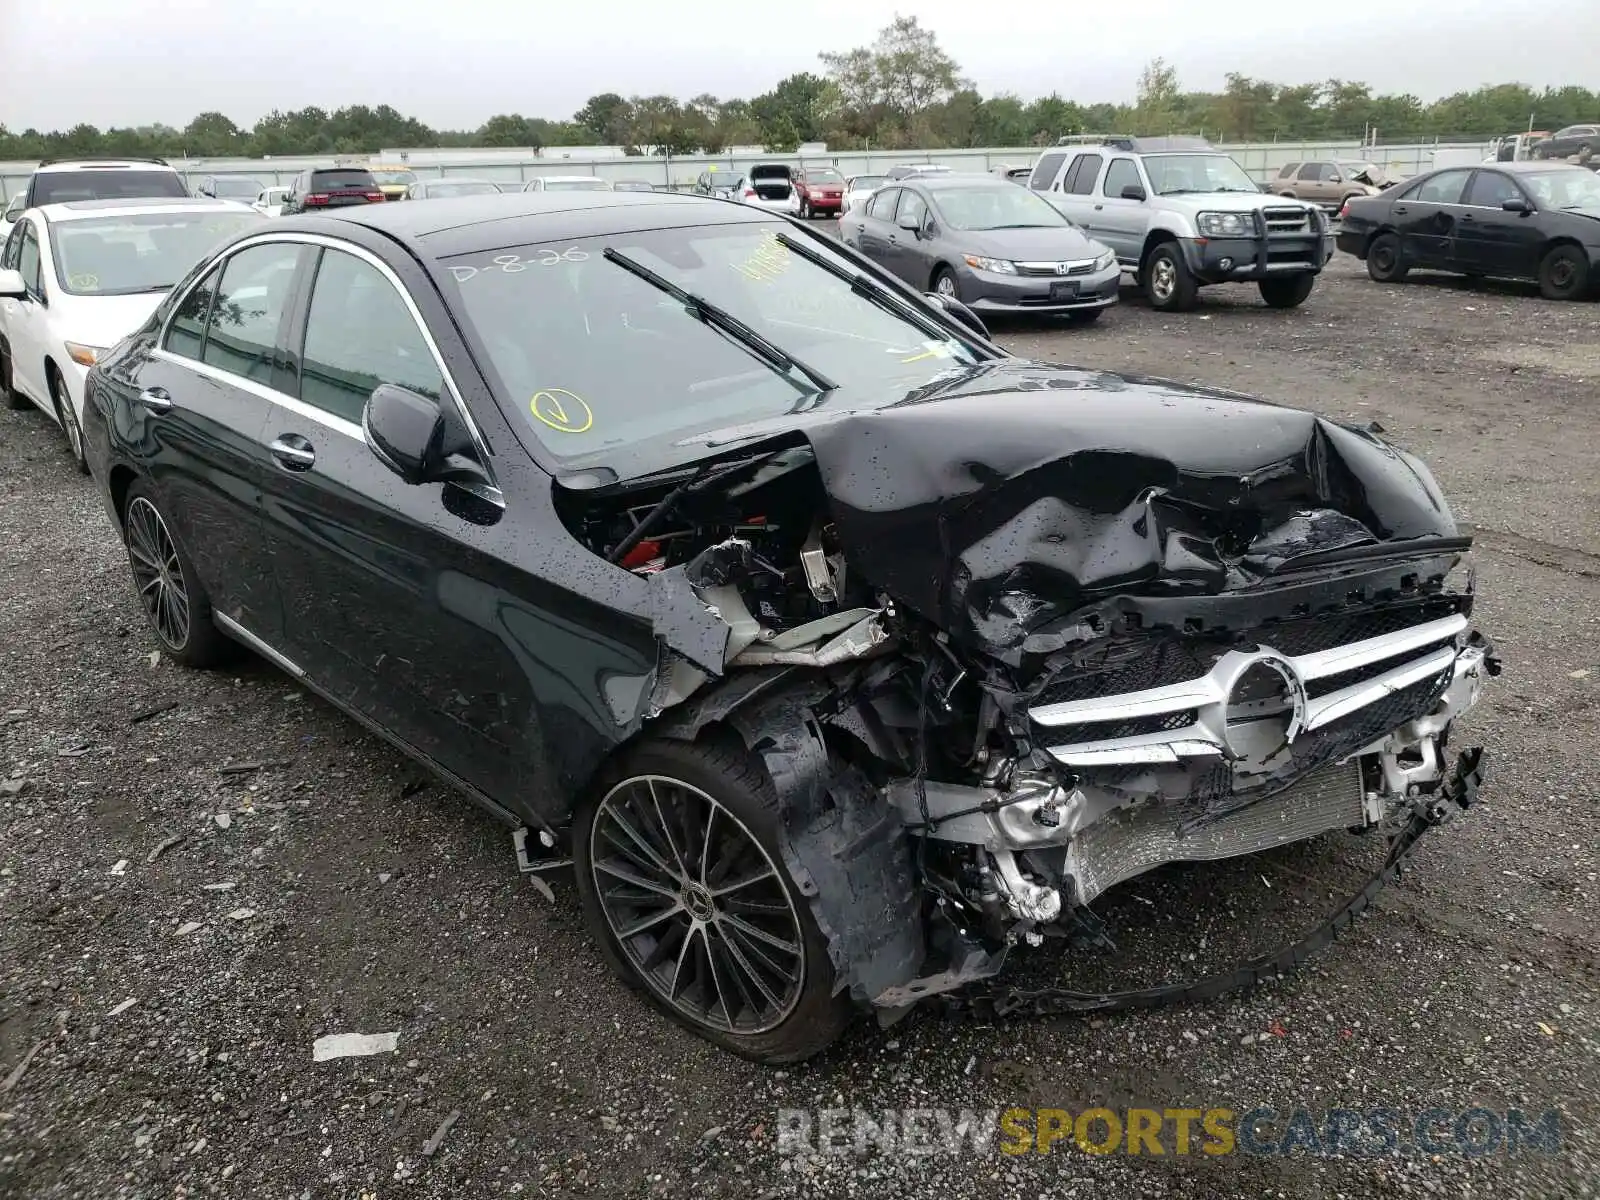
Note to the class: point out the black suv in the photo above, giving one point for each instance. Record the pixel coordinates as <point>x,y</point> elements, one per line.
<point>331,187</point>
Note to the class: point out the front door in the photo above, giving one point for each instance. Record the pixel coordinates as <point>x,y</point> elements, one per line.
<point>877,224</point>
<point>1117,221</point>
<point>203,396</point>
<point>381,586</point>
<point>1492,241</point>
<point>27,318</point>
<point>1426,218</point>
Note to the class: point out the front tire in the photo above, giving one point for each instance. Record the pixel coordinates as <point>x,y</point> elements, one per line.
<point>174,600</point>
<point>1168,283</point>
<point>944,282</point>
<point>1564,274</point>
<point>68,419</point>
<point>1287,291</point>
<point>683,887</point>
<point>1384,261</point>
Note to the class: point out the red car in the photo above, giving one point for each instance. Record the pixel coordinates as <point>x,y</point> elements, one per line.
<point>821,191</point>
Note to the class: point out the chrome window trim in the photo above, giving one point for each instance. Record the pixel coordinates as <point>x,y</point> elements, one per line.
<point>326,242</point>
<point>282,399</point>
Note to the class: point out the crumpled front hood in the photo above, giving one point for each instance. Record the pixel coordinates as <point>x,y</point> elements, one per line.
<point>1010,494</point>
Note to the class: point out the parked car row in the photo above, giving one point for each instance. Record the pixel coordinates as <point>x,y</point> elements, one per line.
<point>723,565</point>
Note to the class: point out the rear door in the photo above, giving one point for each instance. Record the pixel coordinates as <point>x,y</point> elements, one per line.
<point>1309,182</point>
<point>388,609</point>
<point>1490,240</point>
<point>1426,217</point>
<point>1074,192</point>
<point>203,399</point>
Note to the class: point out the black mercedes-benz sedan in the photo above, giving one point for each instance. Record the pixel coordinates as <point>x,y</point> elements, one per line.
<point>1515,220</point>
<point>839,653</point>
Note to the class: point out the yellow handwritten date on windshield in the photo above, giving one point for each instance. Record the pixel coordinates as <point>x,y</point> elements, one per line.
<point>563,411</point>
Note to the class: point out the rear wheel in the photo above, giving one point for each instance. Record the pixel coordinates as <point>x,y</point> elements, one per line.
<point>1168,282</point>
<point>68,419</point>
<point>683,886</point>
<point>13,398</point>
<point>1384,263</point>
<point>1287,291</point>
<point>169,589</point>
<point>1564,274</point>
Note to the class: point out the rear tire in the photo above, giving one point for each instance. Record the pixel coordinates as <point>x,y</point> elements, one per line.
<point>14,399</point>
<point>69,420</point>
<point>1564,274</point>
<point>1384,261</point>
<point>1168,283</point>
<point>174,600</point>
<point>1287,291</point>
<point>742,966</point>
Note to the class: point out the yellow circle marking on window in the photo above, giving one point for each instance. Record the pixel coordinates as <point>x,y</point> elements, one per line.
<point>84,283</point>
<point>563,411</point>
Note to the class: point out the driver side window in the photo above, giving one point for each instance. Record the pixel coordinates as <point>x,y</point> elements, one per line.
<point>359,333</point>
<point>912,208</point>
<point>13,250</point>
<point>882,206</point>
<point>1120,174</point>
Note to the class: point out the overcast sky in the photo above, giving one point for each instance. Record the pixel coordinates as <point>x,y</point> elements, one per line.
<point>454,63</point>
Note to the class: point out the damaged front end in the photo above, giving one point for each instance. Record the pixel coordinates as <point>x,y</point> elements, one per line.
<point>1035,632</point>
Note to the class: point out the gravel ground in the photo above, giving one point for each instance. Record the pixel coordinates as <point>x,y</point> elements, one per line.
<point>175,935</point>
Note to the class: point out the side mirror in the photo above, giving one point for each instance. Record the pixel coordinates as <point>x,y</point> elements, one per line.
<point>15,208</point>
<point>960,312</point>
<point>11,286</point>
<point>1516,204</point>
<point>1133,192</point>
<point>418,438</point>
<point>911,223</point>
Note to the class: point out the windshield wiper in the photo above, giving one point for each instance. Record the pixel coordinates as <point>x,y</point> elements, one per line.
<point>725,322</point>
<point>868,288</point>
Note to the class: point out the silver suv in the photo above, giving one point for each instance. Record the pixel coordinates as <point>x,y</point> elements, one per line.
<point>1181,215</point>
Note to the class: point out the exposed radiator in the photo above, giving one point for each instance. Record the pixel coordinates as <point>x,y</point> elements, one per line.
<point>1124,844</point>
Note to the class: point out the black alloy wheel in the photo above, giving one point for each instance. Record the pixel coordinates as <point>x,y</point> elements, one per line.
<point>697,905</point>
<point>158,574</point>
<point>677,862</point>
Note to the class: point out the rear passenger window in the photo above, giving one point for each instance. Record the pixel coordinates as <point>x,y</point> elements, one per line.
<point>359,333</point>
<point>1084,172</point>
<point>1288,170</point>
<point>1443,188</point>
<point>242,335</point>
<point>187,331</point>
<point>1044,171</point>
<point>1311,172</point>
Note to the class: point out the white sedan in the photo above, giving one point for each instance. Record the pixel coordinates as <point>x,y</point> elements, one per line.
<point>76,278</point>
<point>269,201</point>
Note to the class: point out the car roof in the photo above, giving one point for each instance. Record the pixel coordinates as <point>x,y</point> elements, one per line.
<point>74,210</point>
<point>465,224</point>
<point>104,164</point>
<point>568,178</point>
<point>1530,168</point>
<point>953,182</point>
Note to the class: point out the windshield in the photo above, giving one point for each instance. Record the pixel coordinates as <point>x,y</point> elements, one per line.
<point>1003,206</point>
<point>462,187</point>
<point>1173,174</point>
<point>145,252</point>
<point>93,183</point>
<point>823,175</point>
<point>576,185</point>
<point>235,187</point>
<point>596,358</point>
<point>865,183</point>
<point>394,178</point>
<point>1577,189</point>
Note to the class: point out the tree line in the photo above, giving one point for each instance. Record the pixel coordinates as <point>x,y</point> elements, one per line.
<point>902,91</point>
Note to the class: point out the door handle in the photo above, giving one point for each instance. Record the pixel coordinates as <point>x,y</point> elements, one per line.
<point>1401,209</point>
<point>156,400</point>
<point>293,452</point>
<point>1099,207</point>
